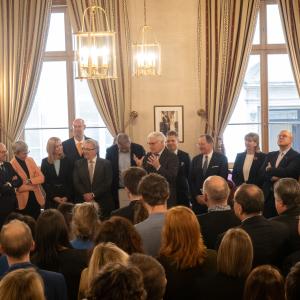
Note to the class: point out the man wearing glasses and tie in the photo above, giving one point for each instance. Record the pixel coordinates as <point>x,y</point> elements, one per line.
<point>92,177</point>
<point>9,180</point>
<point>207,163</point>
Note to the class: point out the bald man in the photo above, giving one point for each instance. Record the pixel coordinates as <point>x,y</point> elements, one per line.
<point>284,163</point>
<point>9,181</point>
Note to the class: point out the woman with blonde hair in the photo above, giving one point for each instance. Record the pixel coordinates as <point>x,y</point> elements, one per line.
<point>22,284</point>
<point>234,263</point>
<point>57,170</point>
<point>84,224</point>
<point>248,163</point>
<point>102,254</point>
<point>184,256</point>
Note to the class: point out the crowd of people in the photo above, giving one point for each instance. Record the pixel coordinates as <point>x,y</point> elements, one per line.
<point>153,225</point>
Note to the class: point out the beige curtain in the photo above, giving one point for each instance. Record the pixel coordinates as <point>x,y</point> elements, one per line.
<point>23,31</point>
<point>112,97</point>
<point>225,32</point>
<point>290,15</point>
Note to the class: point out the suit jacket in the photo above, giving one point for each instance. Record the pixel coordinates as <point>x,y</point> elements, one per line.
<point>237,172</point>
<point>218,165</point>
<point>112,154</point>
<point>214,223</point>
<point>60,185</point>
<point>126,211</point>
<point>70,149</point>
<point>8,200</point>
<point>269,240</point>
<point>54,283</point>
<point>168,169</point>
<point>36,177</point>
<point>182,184</point>
<point>100,186</point>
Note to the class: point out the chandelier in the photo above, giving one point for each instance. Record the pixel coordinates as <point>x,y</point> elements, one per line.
<point>95,51</point>
<point>146,52</point>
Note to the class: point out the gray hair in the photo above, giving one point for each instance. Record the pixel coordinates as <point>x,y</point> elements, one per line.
<point>216,188</point>
<point>288,191</point>
<point>93,142</point>
<point>19,146</point>
<point>157,135</point>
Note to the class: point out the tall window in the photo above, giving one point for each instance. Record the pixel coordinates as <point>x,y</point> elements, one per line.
<point>61,98</point>
<point>269,101</point>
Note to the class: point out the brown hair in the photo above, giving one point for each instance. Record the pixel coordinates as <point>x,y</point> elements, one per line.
<point>51,144</point>
<point>292,283</point>
<point>121,232</point>
<point>16,239</point>
<point>132,178</point>
<point>22,284</point>
<point>264,283</point>
<point>181,238</point>
<point>235,253</point>
<point>288,190</point>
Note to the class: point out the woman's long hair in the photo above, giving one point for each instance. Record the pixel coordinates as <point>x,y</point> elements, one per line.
<point>182,241</point>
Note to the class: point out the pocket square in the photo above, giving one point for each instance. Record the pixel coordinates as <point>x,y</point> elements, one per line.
<point>214,166</point>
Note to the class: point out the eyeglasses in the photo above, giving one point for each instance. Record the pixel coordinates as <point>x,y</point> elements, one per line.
<point>87,149</point>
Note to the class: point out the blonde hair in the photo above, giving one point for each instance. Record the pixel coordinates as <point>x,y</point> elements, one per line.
<point>182,241</point>
<point>104,253</point>
<point>255,138</point>
<point>85,220</point>
<point>51,144</point>
<point>22,284</point>
<point>235,253</point>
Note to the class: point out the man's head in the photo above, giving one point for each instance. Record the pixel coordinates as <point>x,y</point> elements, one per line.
<point>292,283</point>
<point>16,240</point>
<point>287,194</point>
<point>123,142</point>
<point>154,190</point>
<point>132,178</point>
<point>172,140</point>
<point>3,152</point>
<point>248,201</point>
<point>90,149</point>
<point>78,129</point>
<point>205,144</point>
<point>216,190</point>
<point>156,142</point>
<point>285,139</point>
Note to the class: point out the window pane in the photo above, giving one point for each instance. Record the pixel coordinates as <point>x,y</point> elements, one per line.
<point>274,26</point>
<point>246,116</point>
<point>284,102</point>
<point>37,141</point>
<point>56,34</point>
<point>50,108</point>
<point>256,38</point>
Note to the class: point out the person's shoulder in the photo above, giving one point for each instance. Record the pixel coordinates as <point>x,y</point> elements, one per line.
<point>183,153</point>
<point>68,141</point>
<point>51,275</point>
<point>111,148</point>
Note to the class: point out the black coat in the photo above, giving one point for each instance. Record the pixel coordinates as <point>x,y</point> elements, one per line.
<point>70,150</point>
<point>112,154</point>
<point>237,172</point>
<point>218,165</point>
<point>168,169</point>
<point>60,185</point>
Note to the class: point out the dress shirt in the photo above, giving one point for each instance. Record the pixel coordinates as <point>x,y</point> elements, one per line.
<point>209,156</point>
<point>124,164</point>
<point>247,166</point>
<point>280,156</point>
<point>79,145</point>
<point>57,166</point>
<point>91,167</point>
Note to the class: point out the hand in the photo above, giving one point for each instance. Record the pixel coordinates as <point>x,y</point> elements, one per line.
<point>58,200</point>
<point>138,161</point>
<point>274,178</point>
<point>201,199</point>
<point>153,160</point>
<point>14,178</point>
<point>88,197</point>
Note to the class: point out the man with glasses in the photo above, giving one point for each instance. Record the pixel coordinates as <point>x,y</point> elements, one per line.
<point>9,180</point>
<point>92,177</point>
<point>284,163</point>
<point>121,156</point>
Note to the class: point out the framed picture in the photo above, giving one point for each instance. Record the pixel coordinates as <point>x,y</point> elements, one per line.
<point>168,118</point>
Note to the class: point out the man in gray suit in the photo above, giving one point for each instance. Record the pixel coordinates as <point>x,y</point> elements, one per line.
<point>92,178</point>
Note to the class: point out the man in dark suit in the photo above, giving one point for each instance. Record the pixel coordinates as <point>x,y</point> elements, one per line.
<point>219,217</point>
<point>16,242</point>
<point>269,239</point>
<point>121,157</point>
<point>182,185</point>
<point>161,161</point>
<point>9,180</point>
<point>206,164</point>
<point>284,163</point>
<point>92,177</point>
<point>287,203</point>
<point>73,146</point>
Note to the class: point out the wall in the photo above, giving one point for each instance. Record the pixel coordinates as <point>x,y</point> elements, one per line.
<point>175,25</point>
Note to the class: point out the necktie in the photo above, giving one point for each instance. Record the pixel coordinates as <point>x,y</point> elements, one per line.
<point>205,165</point>
<point>79,148</point>
<point>279,158</point>
<point>91,170</point>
